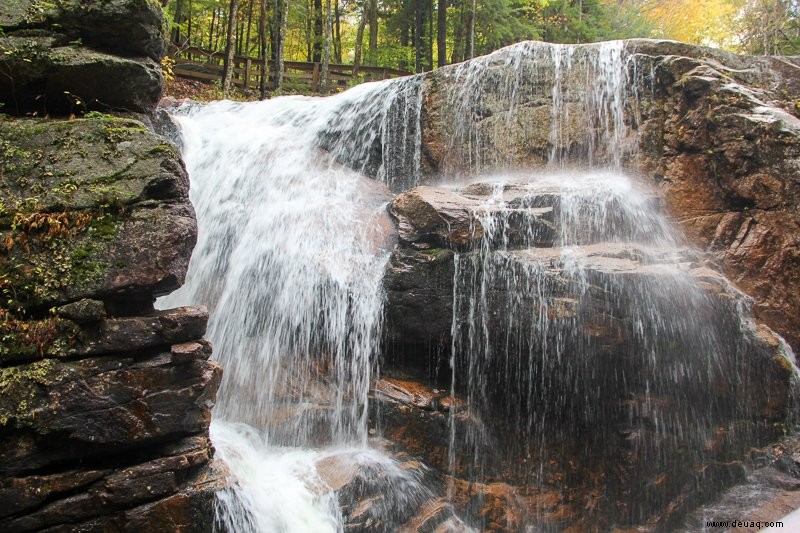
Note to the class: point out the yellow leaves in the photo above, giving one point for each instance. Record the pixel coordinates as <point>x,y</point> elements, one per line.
<point>167,64</point>
<point>704,22</point>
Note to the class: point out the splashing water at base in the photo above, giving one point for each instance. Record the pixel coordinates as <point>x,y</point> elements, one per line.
<point>271,489</point>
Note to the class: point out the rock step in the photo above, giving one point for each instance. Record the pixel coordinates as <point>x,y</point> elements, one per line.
<point>522,215</point>
<point>119,483</point>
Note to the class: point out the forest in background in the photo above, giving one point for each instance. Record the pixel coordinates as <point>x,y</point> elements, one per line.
<point>419,35</point>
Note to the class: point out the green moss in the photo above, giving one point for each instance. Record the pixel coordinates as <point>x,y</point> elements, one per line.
<point>18,388</point>
<point>81,253</point>
<point>162,149</point>
<point>439,254</point>
<point>118,130</point>
<point>105,226</point>
<point>98,115</point>
<point>52,253</point>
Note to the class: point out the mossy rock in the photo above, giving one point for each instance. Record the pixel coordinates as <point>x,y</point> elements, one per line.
<point>89,208</point>
<point>56,411</point>
<point>127,27</point>
<point>46,73</point>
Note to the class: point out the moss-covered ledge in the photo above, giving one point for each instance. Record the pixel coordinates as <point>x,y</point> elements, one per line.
<point>75,197</point>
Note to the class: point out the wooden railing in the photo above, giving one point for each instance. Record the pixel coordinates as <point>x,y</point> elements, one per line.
<point>204,65</point>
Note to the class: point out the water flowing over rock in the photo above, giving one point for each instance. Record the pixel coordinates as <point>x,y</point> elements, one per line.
<point>570,330</point>
<point>105,403</point>
<point>470,299</point>
<point>716,133</point>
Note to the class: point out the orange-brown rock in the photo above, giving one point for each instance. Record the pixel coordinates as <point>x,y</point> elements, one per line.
<point>722,136</point>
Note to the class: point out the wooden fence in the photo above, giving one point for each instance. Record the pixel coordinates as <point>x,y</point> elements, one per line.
<point>203,65</point>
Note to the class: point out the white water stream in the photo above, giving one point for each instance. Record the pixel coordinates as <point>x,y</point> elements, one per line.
<point>291,251</point>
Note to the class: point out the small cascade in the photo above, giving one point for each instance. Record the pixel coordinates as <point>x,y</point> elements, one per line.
<point>581,321</point>
<point>581,92</point>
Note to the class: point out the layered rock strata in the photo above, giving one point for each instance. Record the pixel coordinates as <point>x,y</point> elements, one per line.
<point>105,403</point>
<point>574,360</point>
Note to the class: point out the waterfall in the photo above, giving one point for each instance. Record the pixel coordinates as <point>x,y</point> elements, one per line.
<point>293,239</point>
<point>581,317</point>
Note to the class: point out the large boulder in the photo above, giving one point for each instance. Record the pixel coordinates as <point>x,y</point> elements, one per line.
<point>93,208</point>
<point>71,56</point>
<point>124,27</point>
<point>721,136</point>
<point>48,74</point>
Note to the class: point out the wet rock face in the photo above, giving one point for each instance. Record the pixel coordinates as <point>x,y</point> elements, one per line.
<point>93,208</point>
<point>126,27</point>
<point>105,403</point>
<point>70,57</point>
<point>576,329</point>
<point>718,133</point>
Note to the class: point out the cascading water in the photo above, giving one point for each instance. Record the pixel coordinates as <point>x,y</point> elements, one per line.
<point>579,316</point>
<point>293,242</point>
<point>579,322</point>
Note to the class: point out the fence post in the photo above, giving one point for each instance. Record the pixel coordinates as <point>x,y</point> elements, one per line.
<point>247,64</point>
<point>315,78</point>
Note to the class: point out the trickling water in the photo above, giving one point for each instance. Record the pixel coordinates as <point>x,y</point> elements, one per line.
<point>580,318</point>
<point>580,91</point>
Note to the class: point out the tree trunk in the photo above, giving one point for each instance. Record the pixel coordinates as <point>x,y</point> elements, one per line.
<point>470,48</point>
<point>316,56</point>
<point>418,30</point>
<point>211,30</point>
<point>458,38</point>
<point>284,22</point>
<point>176,31</point>
<point>249,26</point>
<point>278,39</point>
<point>230,47</point>
<point>221,24</point>
<point>324,76</point>
<point>373,33</point>
<point>441,34</point>
<point>404,38</point>
<point>429,41</point>
<point>189,25</point>
<point>360,38</point>
<point>239,37</point>
<point>337,34</point>
<point>309,29</point>
<point>262,37</point>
